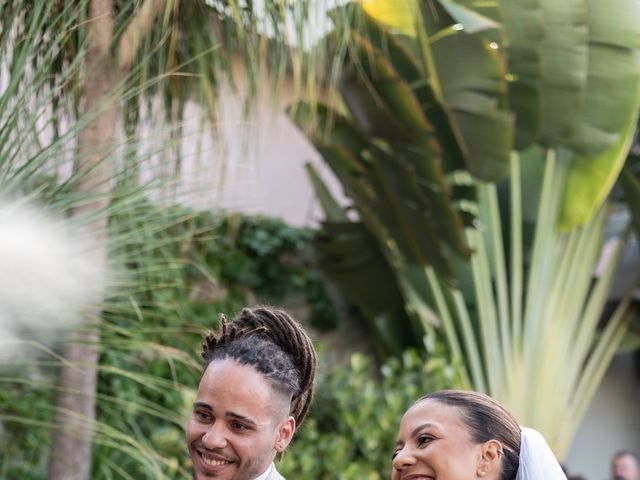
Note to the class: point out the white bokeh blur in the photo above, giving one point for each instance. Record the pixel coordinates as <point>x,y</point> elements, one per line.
<point>51,273</point>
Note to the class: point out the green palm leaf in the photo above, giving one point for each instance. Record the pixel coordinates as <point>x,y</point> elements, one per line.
<point>614,71</point>
<point>591,179</point>
<point>521,36</point>
<point>523,22</point>
<point>466,105</point>
<point>471,74</point>
<point>564,69</point>
<point>402,187</point>
<point>351,256</point>
<point>406,66</point>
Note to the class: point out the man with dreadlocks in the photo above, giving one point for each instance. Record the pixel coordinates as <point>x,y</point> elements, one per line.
<point>255,391</point>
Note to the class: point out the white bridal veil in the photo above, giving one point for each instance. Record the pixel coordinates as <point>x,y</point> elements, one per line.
<point>537,461</point>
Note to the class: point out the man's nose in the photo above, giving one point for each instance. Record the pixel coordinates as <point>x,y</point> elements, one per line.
<point>214,436</point>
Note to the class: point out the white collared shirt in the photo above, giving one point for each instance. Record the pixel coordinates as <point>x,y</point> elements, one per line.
<point>266,473</point>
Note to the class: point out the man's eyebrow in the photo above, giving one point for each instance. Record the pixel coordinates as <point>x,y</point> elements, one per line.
<point>243,418</point>
<point>204,405</point>
<point>234,415</point>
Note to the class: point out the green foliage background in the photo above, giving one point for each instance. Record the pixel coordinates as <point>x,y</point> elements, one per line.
<point>149,368</point>
<point>352,427</point>
<point>204,264</point>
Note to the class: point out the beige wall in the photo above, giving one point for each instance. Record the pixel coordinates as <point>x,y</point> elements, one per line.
<point>257,164</point>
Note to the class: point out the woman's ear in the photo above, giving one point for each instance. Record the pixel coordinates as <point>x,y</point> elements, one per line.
<point>490,459</point>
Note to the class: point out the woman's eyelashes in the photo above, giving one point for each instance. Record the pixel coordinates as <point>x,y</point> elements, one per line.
<point>423,439</point>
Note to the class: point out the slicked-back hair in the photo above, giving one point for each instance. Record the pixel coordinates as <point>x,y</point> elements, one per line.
<point>486,420</point>
<point>275,345</point>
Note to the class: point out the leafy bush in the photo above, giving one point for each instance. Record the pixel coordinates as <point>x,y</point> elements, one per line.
<point>184,276</point>
<point>177,280</point>
<point>352,427</point>
<point>216,263</point>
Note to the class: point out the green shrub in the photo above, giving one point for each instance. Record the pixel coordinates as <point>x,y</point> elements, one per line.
<point>351,430</point>
<point>217,263</point>
<point>148,370</point>
<point>178,279</point>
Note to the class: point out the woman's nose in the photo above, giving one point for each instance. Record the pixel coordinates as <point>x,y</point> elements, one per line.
<point>402,459</point>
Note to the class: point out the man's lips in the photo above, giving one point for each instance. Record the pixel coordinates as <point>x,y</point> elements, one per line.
<point>213,461</point>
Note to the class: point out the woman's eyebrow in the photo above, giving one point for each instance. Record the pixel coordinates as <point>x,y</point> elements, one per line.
<point>414,432</point>
<point>420,427</point>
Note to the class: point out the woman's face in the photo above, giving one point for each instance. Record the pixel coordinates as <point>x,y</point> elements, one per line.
<point>434,444</point>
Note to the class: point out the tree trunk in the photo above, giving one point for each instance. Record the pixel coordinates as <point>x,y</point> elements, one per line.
<point>75,406</point>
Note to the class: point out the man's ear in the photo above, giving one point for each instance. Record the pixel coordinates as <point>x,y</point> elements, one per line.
<point>285,434</point>
<point>489,460</point>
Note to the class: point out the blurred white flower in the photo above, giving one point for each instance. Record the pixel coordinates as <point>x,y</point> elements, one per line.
<point>50,272</point>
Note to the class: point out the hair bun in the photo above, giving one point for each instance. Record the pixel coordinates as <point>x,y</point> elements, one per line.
<point>287,333</point>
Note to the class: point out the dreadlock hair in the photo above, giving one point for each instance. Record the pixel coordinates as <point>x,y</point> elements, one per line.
<point>275,345</point>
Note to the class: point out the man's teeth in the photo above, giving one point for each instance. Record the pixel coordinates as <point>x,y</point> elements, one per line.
<point>214,463</point>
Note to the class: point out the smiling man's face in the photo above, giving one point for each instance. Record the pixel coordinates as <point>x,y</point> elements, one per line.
<point>238,423</point>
